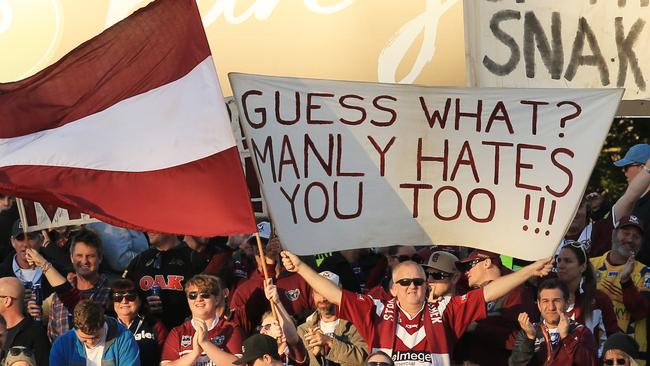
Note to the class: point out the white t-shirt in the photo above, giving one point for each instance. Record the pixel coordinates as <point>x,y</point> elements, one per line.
<point>94,355</point>
<point>328,328</point>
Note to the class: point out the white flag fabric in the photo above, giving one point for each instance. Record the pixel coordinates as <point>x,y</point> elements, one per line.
<point>347,164</point>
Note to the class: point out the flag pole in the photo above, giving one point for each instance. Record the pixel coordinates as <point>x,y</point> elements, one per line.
<point>260,250</point>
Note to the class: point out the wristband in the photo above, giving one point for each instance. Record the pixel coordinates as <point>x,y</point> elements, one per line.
<point>47,266</point>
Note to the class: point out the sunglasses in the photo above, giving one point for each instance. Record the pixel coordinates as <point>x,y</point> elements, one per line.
<point>377,364</point>
<point>614,361</point>
<point>577,245</point>
<point>438,276</point>
<point>17,350</point>
<point>193,295</point>
<point>406,282</point>
<point>464,267</point>
<point>403,258</point>
<point>129,296</point>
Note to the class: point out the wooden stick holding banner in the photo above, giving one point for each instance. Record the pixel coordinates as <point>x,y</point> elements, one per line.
<point>260,249</point>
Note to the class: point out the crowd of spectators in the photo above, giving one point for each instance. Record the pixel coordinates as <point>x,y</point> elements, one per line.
<point>100,295</point>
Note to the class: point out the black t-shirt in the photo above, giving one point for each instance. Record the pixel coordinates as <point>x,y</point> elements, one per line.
<point>29,335</point>
<point>170,270</point>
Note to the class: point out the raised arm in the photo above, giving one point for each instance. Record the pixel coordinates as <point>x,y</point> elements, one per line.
<point>505,284</point>
<point>53,276</point>
<point>319,283</point>
<point>638,185</point>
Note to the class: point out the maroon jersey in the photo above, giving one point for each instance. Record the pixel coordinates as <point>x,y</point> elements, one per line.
<point>424,340</point>
<point>223,334</point>
<point>249,298</point>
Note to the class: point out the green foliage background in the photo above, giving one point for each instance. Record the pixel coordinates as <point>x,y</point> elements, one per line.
<point>624,133</point>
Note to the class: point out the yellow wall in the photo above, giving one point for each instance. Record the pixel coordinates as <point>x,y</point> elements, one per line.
<point>371,40</point>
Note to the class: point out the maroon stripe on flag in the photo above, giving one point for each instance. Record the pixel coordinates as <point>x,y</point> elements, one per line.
<point>154,46</point>
<point>208,197</point>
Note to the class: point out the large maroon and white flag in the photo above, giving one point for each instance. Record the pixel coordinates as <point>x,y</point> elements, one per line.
<point>131,128</point>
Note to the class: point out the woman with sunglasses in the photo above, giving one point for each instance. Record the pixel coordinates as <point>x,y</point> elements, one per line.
<point>621,350</point>
<point>587,305</point>
<point>150,334</point>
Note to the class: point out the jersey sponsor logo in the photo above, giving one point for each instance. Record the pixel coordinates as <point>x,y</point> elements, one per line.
<point>143,335</point>
<point>218,340</point>
<point>186,341</point>
<point>168,282</point>
<point>411,326</point>
<point>612,273</point>
<point>293,295</point>
<point>419,356</point>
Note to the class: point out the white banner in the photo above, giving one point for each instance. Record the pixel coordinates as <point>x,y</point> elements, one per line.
<point>559,44</point>
<point>40,216</point>
<point>348,164</point>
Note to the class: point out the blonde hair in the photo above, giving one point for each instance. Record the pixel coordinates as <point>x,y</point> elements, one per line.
<point>205,283</point>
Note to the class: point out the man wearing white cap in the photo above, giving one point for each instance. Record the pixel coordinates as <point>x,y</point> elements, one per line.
<point>442,274</point>
<point>330,340</point>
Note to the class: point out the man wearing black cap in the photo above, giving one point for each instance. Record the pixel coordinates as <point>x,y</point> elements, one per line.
<point>627,281</point>
<point>489,341</point>
<point>259,350</point>
<point>17,266</point>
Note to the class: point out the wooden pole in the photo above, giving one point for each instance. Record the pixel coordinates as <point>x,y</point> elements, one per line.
<point>260,250</point>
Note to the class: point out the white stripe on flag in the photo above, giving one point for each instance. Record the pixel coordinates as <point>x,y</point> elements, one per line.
<point>146,132</point>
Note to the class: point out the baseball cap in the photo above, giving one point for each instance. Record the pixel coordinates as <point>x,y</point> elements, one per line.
<point>17,229</point>
<point>475,254</point>
<point>442,261</point>
<point>257,346</point>
<point>637,154</point>
<point>630,220</point>
<point>622,342</point>
<point>331,276</point>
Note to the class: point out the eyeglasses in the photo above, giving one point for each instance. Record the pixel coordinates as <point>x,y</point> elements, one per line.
<point>403,258</point>
<point>614,361</point>
<point>192,295</point>
<point>17,350</point>
<point>129,296</point>
<point>378,364</point>
<point>406,282</point>
<point>438,276</point>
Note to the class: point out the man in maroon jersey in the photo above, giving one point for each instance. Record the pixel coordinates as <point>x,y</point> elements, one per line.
<point>208,339</point>
<point>411,330</point>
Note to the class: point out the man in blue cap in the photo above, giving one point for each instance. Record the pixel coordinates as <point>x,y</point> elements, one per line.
<point>634,163</point>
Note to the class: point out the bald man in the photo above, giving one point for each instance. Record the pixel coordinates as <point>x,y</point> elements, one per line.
<point>413,331</point>
<point>21,331</point>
